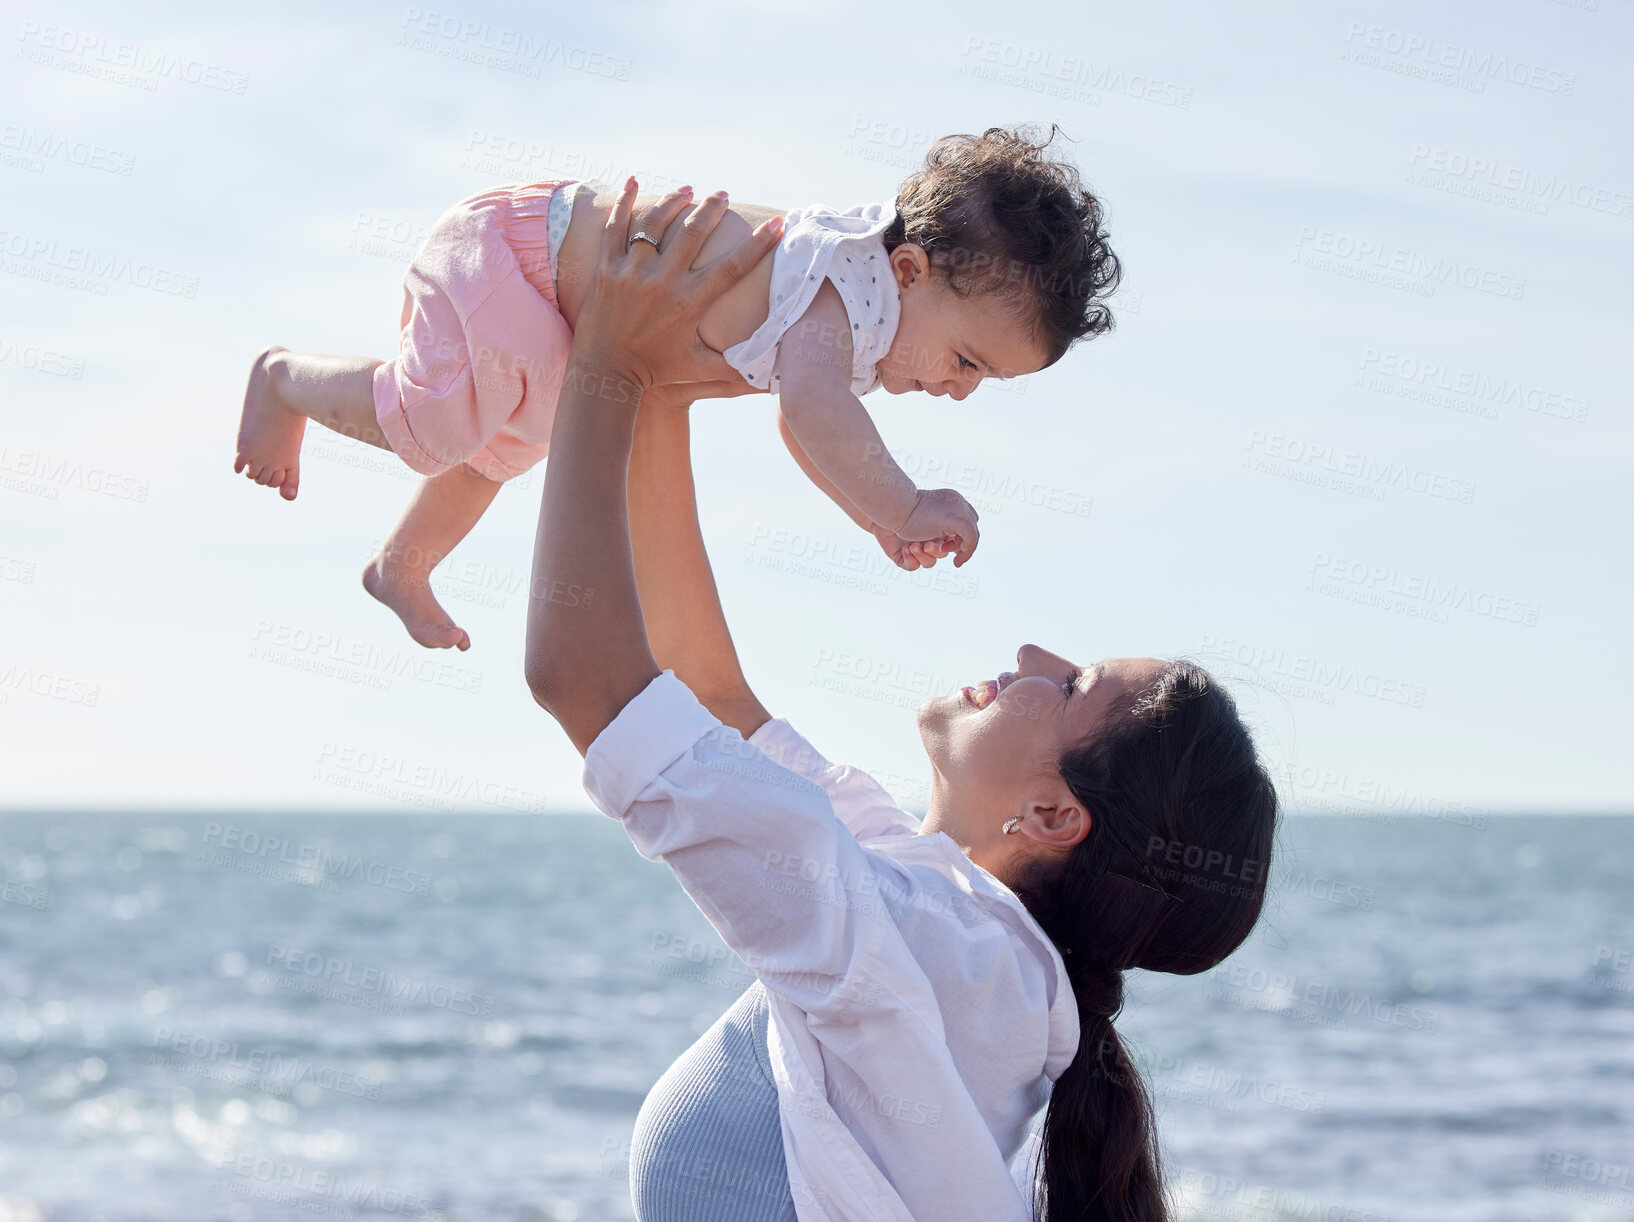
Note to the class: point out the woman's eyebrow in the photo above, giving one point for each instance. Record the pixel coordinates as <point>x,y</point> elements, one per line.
<point>1092,673</point>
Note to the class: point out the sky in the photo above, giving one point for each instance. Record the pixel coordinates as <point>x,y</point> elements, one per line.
<point>1359,441</point>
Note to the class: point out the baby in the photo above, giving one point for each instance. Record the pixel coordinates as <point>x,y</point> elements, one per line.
<point>990,264</point>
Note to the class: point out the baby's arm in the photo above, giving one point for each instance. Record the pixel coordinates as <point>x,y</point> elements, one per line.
<point>837,435</point>
<point>817,477</point>
<point>905,554</point>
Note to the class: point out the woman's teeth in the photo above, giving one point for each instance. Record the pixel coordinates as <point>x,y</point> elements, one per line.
<point>982,696</point>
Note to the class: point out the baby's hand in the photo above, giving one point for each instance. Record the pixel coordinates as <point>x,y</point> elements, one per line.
<point>939,513</point>
<point>911,555</point>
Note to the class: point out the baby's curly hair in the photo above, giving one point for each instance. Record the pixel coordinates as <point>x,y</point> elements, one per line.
<point>995,215</point>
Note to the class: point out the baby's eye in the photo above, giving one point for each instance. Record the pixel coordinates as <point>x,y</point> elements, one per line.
<point>964,364</point>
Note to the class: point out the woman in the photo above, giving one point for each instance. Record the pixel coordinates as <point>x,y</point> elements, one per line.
<point>919,987</point>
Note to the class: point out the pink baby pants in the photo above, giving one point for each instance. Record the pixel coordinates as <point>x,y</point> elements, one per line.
<point>484,346</point>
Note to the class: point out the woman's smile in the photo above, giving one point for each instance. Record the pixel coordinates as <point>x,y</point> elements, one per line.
<point>984,693</point>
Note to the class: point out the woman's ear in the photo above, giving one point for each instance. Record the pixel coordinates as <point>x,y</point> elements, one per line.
<point>1061,824</point>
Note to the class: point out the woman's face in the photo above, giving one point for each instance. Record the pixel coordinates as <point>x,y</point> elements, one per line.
<point>995,749</point>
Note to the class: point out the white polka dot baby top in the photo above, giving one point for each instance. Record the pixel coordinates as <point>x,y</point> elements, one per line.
<point>847,249</point>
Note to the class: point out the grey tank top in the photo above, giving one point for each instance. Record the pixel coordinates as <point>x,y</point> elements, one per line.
<point>708,1142</point>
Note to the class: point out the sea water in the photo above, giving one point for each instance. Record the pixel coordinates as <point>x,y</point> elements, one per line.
<point>457,1017</point>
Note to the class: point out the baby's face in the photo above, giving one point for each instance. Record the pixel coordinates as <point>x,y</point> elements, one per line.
<point>945,344</point>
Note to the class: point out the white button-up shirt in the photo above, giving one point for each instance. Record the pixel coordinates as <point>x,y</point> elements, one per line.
<point>918,1012</point>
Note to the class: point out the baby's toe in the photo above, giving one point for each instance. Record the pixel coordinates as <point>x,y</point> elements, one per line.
<point>447,635</point>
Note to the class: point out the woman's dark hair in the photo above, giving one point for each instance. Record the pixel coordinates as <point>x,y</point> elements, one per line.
<point>994,215</point>
<point>1171,878</point>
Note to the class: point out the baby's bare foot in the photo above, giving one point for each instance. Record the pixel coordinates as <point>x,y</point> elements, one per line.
<point>408,592</point>
<point>269,432</point>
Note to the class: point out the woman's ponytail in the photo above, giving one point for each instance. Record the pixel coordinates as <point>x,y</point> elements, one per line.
<point>1174,778</point>
<point>1099,1143</point>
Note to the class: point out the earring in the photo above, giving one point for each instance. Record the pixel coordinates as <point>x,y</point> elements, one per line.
<point>1011,824</point>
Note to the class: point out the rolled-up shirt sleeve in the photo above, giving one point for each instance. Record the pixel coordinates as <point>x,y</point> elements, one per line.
<point>760,850</point>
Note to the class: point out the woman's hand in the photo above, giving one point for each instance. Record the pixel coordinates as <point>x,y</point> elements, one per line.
<point>638,325</point>
<point>588,653</point>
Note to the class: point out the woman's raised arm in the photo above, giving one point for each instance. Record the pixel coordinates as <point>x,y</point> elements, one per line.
<point>686,624</point>
<point>587,649</point>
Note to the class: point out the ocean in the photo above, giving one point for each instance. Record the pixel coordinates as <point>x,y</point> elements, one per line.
<point>457,1017</point>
